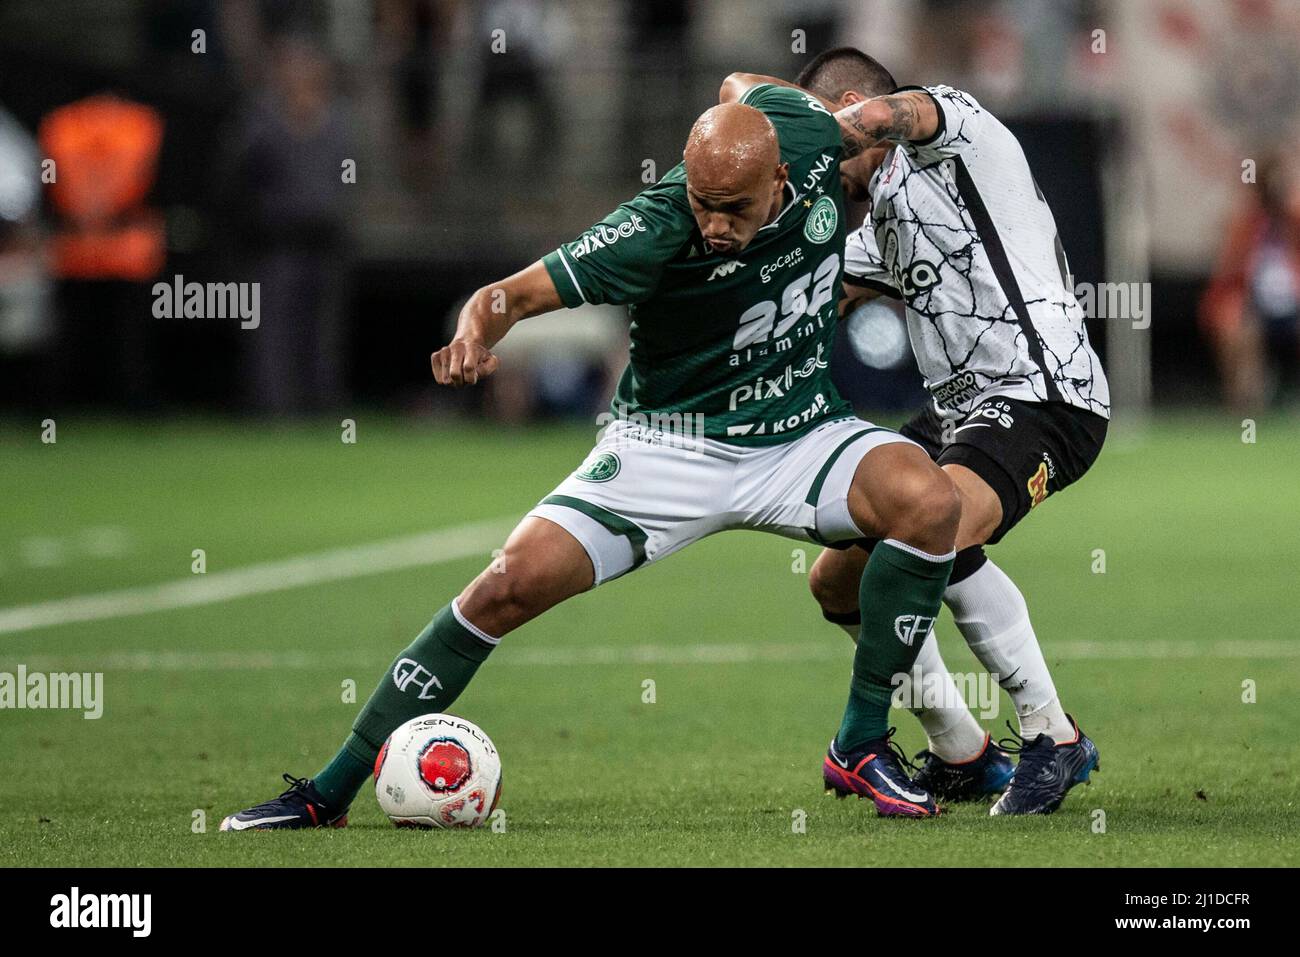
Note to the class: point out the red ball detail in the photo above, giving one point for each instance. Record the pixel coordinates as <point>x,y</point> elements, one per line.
<point>444,765</point>
<point>379,761</point>
<point>464,812</point>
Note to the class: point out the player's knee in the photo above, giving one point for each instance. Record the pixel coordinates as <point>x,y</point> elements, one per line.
<point>525,590</point>
<point>932,514</point>
<point>829,591</point>
<point>506,595</point>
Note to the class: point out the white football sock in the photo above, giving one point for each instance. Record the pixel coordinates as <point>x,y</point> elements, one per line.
<point>992,615</point>
<point>951,730</point>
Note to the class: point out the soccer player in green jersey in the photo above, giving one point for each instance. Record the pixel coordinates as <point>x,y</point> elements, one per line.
<point>725,418</point>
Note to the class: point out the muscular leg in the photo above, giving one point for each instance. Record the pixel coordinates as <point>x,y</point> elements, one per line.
<point>989,611</point>
<point>901,497</point>
<point>540,566</point>
<point>899,493</point>
<point>833,581</point>
<point>992,616</point>
<point>981,510</point>
<point>951,731</point>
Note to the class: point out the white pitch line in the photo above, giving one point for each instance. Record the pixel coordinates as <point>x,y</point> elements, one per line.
<point>592,655</point>
<point>738,653</point>
<point>410,551</point>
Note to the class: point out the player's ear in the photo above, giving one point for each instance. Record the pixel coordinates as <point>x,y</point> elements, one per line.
<point>849,98</point>
<point>782,174</point>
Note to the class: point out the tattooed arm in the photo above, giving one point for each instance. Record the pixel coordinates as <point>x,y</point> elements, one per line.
<point>898,117</point>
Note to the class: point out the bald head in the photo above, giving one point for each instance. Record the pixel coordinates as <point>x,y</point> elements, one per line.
<point>730,143</point>
<point>734,174</point>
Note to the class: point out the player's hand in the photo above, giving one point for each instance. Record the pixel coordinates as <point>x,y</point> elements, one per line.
<point>463,362</point>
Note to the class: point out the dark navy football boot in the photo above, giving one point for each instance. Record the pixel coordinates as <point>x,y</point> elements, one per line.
<point>981,777</point>
<point>1046,772</point>
<point>299,807</point>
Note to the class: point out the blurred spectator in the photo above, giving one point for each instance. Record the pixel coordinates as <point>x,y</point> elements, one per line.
<point>24,285</point>
<point>286,201</point>
<point>518,42</point>
<point>414,35</point>
<point>661,65</point>
<point>1251,310</point>
<point>109,242</point>
<point>1017,54</point>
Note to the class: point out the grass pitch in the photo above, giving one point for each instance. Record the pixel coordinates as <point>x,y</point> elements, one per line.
<point>204,706</point>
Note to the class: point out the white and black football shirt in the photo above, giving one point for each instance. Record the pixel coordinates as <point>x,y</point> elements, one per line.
<point>961,233</point>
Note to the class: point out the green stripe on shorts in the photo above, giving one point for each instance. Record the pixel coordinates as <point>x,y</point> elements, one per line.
<point>815,492</point>
<point>614,522</point>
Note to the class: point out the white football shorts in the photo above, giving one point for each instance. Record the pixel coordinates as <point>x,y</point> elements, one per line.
<point>643,494</point>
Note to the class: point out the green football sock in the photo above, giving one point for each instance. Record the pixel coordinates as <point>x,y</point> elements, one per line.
<point>900,595</point>
<point>426,677</point>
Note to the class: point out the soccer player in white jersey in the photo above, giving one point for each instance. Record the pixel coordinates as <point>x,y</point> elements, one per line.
<point>959,231</point>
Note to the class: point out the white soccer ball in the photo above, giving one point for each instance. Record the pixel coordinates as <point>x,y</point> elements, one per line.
<point>438,770</point>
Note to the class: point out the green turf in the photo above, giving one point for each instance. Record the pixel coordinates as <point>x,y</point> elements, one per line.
<point>206,706</point>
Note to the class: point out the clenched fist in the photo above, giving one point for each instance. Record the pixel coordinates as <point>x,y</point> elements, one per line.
<point>463,362</point>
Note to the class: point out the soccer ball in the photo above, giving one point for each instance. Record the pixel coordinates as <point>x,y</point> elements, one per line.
<point>438,770</point>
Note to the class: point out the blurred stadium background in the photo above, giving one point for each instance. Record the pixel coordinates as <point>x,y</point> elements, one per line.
<point>1161,132</point>
<point>1140,120</point>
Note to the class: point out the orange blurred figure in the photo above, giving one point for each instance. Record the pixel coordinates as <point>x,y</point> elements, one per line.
<point>105,151</point>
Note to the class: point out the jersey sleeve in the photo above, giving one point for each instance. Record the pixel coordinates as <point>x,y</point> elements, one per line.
<point>619,260</point>
<point>863,264</point>
<point>960,121</point>
<point>803,124</point>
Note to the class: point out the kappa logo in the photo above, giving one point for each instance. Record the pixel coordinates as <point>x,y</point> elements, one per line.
<point>725,269</point>
<point>600,467</point>
<point>409,673</point>
<point>822,220</point>
<point>909,628</point>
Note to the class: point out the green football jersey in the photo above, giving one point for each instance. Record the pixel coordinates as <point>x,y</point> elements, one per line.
<point>736,347</point>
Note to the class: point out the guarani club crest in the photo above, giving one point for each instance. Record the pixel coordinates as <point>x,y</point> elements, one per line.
<point>822,220</point>
<point>600,467</point>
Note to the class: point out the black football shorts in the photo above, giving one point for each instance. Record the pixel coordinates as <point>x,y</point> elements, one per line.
<point>1025,451</point>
